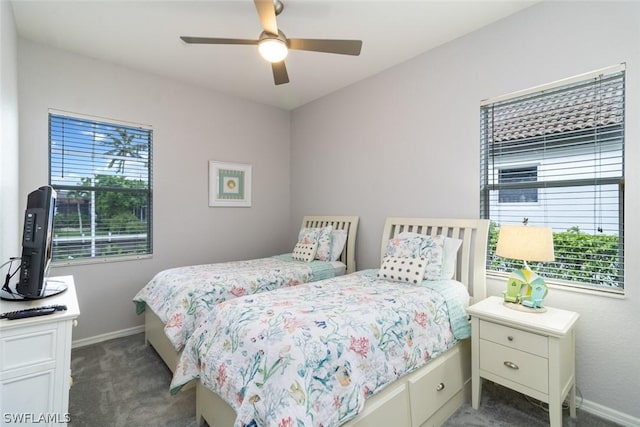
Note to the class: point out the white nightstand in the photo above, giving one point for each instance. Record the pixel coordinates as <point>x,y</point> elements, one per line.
<point>533,353</point>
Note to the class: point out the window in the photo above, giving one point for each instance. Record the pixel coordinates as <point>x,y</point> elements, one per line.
<point>508,176</point>
<point>573,131</point>
<point>101,171</point>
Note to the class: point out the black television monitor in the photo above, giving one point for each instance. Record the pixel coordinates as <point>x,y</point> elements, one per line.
<point>37,246</point>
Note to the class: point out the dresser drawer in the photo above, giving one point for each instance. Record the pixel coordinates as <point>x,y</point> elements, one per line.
<point>515,365</point>
<point>32,346</point>
<point>514,338</point>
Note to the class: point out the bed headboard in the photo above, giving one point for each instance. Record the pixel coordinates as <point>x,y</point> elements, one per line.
<point>349,223</point>
<point>472,255</point>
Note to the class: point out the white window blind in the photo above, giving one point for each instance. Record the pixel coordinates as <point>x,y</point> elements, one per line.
<point>555,156</point>
<point>101,171</point>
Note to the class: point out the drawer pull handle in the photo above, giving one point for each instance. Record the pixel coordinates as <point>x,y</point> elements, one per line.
<point>511,365</point>
<point>510,338</point>
<point>440,387</point>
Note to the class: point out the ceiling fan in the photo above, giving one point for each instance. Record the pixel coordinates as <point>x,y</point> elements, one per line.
<point>274,46</point>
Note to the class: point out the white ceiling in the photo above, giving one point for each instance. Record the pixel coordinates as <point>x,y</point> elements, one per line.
<point>144,35</point>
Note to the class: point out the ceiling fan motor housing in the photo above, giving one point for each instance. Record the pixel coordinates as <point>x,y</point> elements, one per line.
<point>278,6</point>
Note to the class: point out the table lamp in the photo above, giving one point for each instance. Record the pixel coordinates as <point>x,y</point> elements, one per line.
<point>525,243</point>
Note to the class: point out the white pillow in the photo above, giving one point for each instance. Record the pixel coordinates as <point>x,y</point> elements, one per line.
<point>449,256</point>
<point>304,251</point>
<point>403,269</point>
<point>339,238</point>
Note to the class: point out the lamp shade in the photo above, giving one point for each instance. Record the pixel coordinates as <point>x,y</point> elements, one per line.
<point>525,243</point>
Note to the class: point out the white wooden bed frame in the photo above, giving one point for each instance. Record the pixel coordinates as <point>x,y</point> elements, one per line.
<point>431,394</point>
<point>154,326</point>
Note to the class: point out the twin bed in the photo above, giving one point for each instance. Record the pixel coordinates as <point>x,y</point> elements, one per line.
<point>176,300</point>
<point>376,347</point>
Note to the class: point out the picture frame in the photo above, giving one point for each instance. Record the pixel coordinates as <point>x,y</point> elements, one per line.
<point>229,184</point>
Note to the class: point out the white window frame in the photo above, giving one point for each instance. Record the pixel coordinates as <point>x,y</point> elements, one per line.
<point>494,169</point>
<point>148,210</point>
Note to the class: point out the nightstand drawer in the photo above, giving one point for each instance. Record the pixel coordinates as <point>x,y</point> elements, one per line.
<point>514,338</point>
<point>514,365</point>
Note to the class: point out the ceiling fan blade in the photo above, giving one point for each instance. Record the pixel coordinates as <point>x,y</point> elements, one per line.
<point>267,14</point>
<point>213,40</point>
<point>342,47</point>
<point>280,75</point>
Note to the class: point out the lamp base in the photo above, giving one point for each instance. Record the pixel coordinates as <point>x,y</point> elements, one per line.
<point>526,288</point>
<point>520,307</point>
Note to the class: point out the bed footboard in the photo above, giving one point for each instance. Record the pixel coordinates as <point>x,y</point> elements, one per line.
<point>426,397</point>
<point>154,335</point>
<point>211,408</point>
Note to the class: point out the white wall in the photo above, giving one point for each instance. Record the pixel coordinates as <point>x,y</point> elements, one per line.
<point>191,126</point>
<point>9,223</point>
<point>406,143</point>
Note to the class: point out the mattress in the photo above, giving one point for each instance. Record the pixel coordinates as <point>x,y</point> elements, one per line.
<point>339,268</point>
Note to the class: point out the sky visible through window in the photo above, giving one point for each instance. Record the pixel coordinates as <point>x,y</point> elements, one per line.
<point>82,149</point>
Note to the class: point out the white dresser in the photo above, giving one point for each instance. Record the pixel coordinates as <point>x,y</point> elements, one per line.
<point>533,353</point>
<point>35,361</point>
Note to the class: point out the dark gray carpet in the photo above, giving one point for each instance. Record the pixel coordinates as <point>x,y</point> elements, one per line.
<point>122,382</point>
<point>503,407</point>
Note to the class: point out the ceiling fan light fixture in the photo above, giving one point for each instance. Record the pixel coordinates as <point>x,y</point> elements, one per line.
<point>273,49</point>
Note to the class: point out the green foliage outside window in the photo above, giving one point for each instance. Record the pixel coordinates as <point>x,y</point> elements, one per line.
<point>110,204</point>
<point>580,257</point>
<point>116,213</point>
<point>125,223</point>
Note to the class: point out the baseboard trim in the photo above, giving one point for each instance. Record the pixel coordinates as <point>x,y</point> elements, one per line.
<point>108,336</point>
<point>609,414</point>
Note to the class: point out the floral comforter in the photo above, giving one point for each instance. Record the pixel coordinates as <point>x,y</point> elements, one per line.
<point>312,355</point>
<point>182,297</point>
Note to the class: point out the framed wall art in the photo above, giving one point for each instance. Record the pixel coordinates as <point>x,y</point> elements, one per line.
<point>229,184</point>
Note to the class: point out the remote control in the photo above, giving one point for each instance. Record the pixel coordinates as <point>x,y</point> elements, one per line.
<point>32,312</point>
<point>22,314</point>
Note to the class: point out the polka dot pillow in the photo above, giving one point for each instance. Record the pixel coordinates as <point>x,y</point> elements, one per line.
<point>321,236</point>
<point>305,252</point>
<point>403,269</point>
